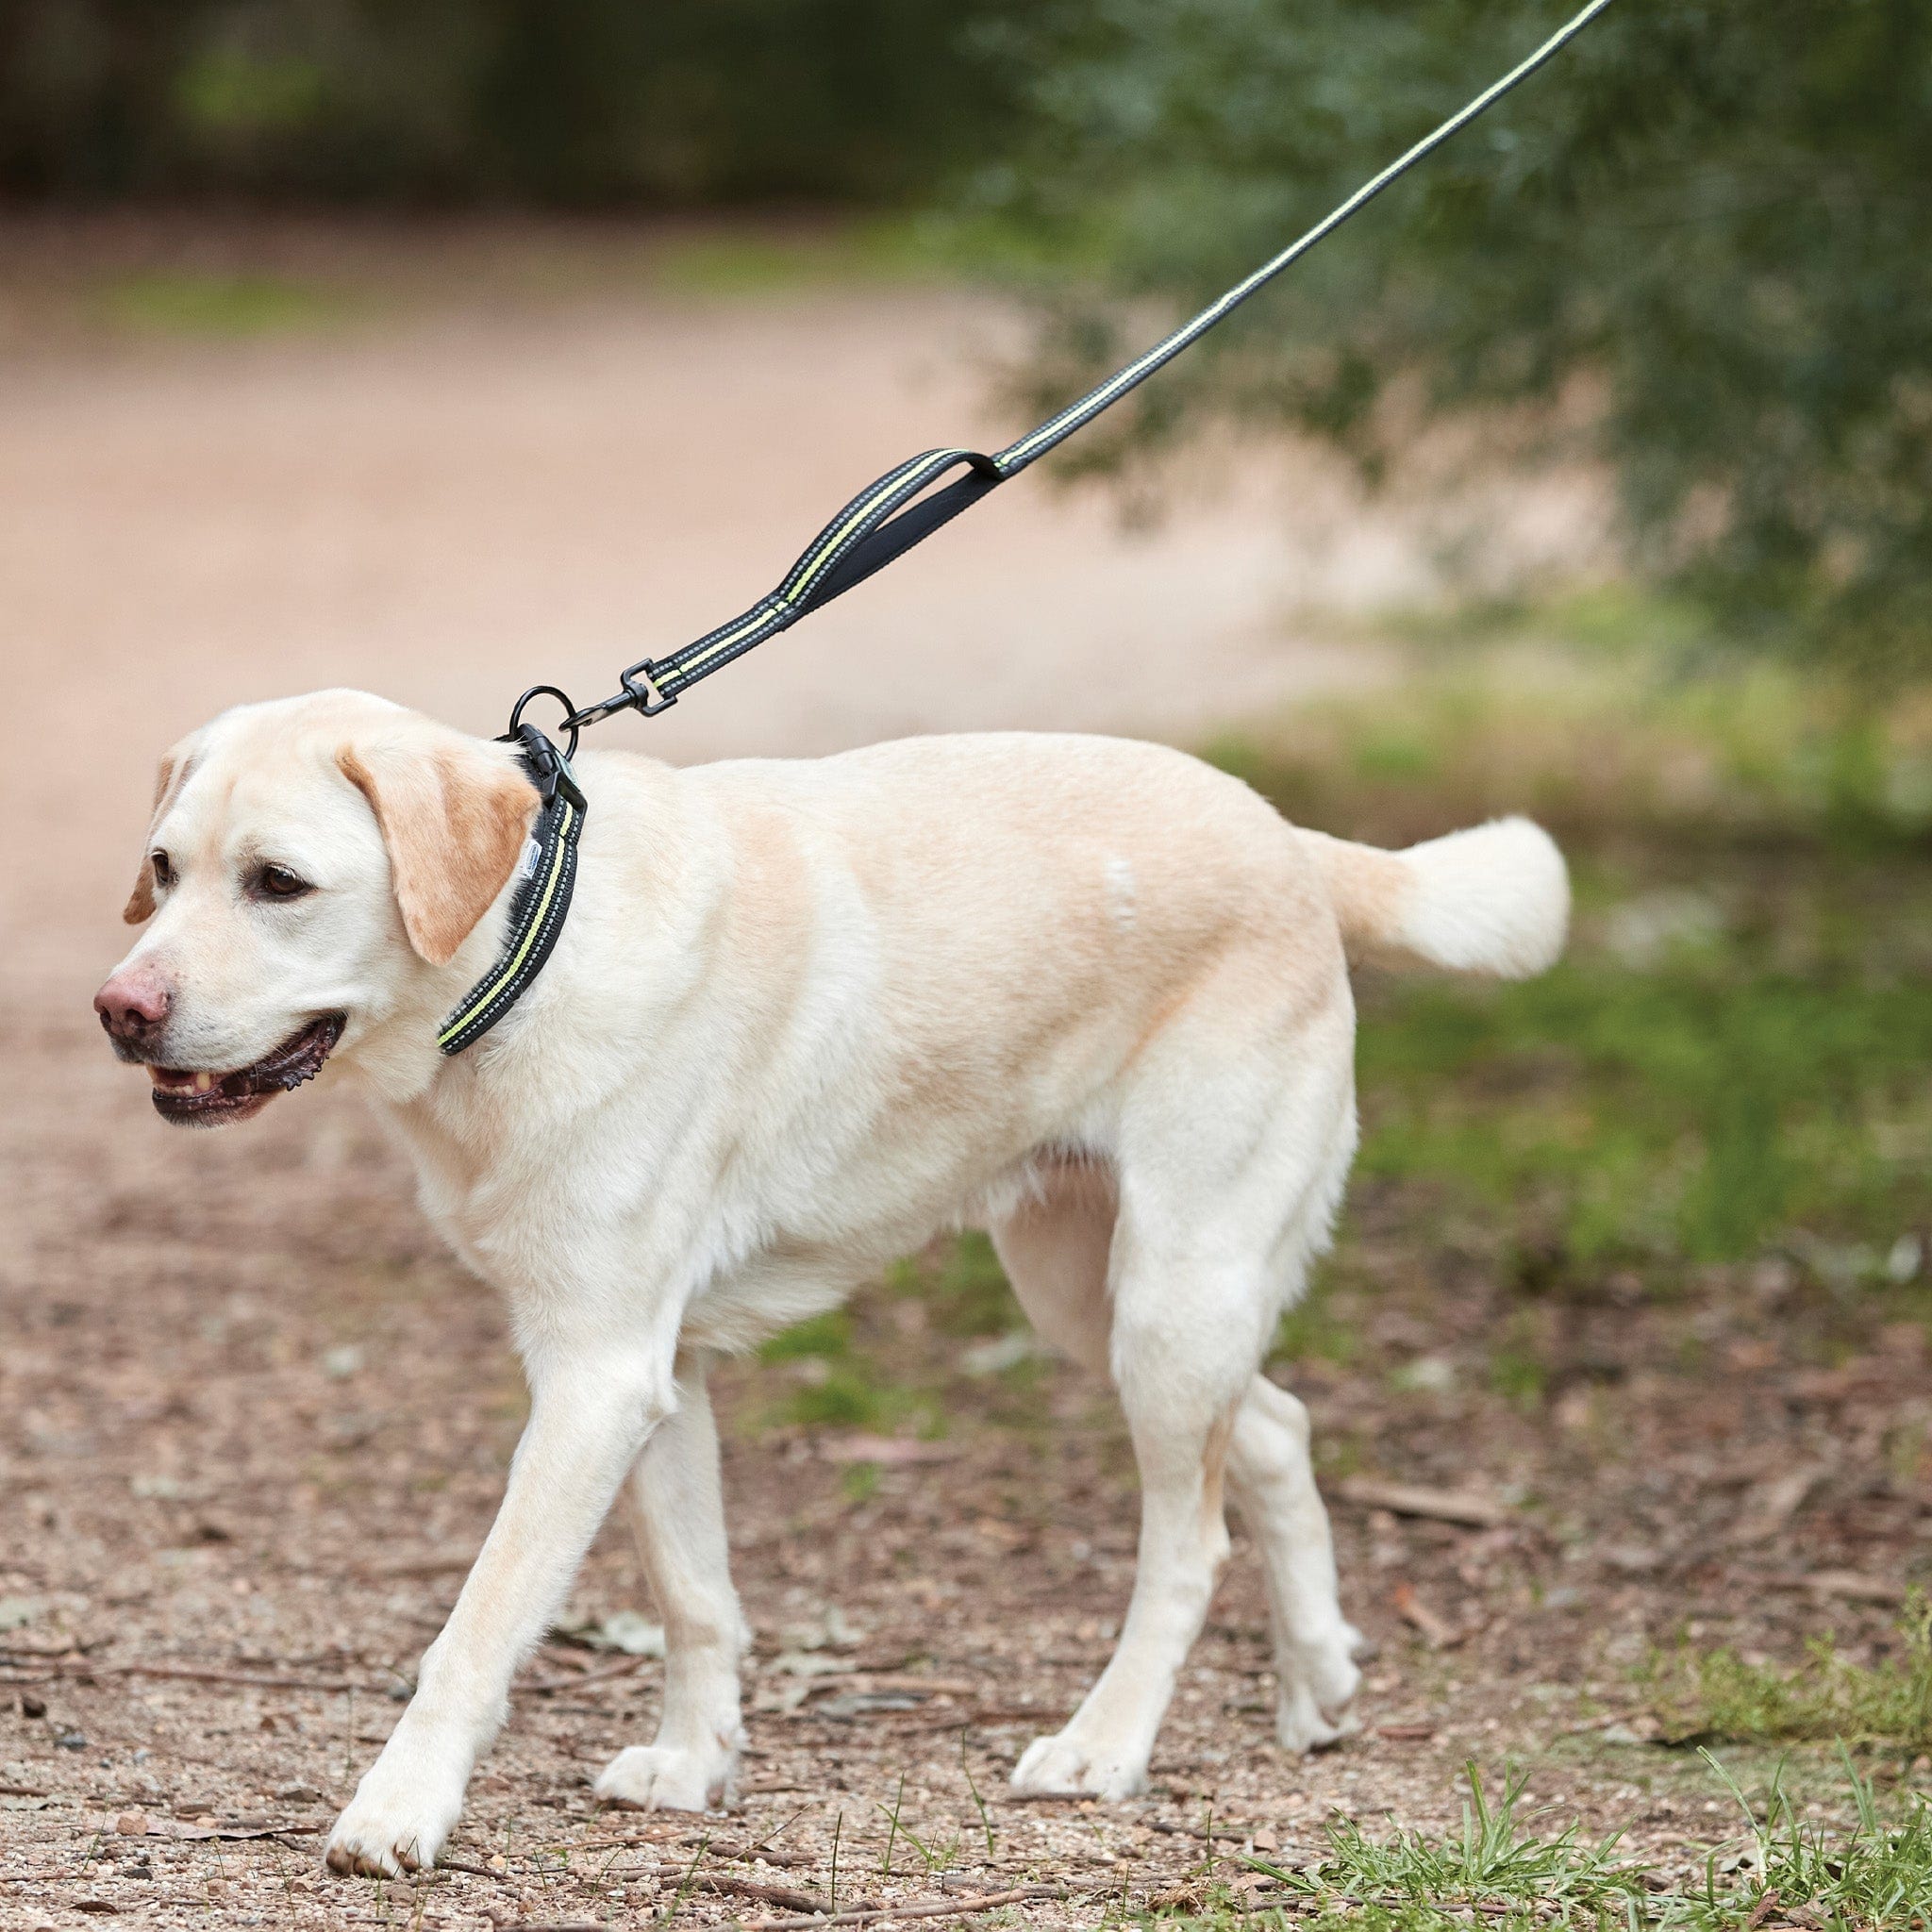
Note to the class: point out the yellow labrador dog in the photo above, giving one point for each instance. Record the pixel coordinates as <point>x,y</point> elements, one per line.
<point>1089,994</point>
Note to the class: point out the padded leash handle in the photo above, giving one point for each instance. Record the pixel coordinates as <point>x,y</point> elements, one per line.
<point>885,519</point>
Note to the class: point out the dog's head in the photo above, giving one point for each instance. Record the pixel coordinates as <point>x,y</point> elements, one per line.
<point>312,869</point>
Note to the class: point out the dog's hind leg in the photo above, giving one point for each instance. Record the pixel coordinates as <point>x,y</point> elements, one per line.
<point>677,1512</point>
<point>1180,1392</point>
<point>1054,1251</point>
<point>1273,1484</point>
<point>1224,1183</point>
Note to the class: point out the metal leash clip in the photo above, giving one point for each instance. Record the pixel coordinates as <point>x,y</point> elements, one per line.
<point>549,768</point>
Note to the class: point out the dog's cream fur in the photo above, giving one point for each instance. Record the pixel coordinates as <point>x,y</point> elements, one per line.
<point>1088,993</point>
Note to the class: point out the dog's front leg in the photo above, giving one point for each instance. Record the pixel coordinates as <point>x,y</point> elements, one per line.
<point>589,1415</point>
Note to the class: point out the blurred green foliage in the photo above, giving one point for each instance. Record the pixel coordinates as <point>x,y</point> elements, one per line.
<point>1734,1056</point>
<point>1695,1109</point>
<point>183,302</point>
<point>560,102</point>
<point>1698,243</point>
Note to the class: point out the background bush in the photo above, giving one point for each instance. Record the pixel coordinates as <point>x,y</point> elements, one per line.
<point>1705,228</point>
<point>576,102</point>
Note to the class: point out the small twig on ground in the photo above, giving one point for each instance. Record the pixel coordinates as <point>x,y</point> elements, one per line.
<point>729,1884</point>
<point>924,1908</point>
<point>1412,1499</point>
<point>543,1686</point>
<point>766,1894</point>
<point>196,1674</point>
<point>1844,1584</point>
<point>1772,1503</point>
<point>909,1682</point>
<point>431,1563</point>
<point>1437,1631</point>
<point>1224,1830</point>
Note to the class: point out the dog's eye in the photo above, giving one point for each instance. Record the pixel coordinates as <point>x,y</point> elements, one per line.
<point>279,882</point>
<point>163,868</point>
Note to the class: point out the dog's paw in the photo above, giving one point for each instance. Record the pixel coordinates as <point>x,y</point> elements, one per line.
<point>1314,1707</point>
<point>660,1778</point>
<point>397,1822</point>
<point>1064,1764</point>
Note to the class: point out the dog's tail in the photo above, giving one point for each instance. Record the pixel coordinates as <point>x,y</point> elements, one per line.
<point>1493,899</point>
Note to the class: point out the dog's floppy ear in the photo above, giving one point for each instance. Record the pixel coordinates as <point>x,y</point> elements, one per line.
<point>454,813</point>
<point>168,781</point>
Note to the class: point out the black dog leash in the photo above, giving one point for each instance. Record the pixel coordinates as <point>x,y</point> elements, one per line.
<point>883,522</point>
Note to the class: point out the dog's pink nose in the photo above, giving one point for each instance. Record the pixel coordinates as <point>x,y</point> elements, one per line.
<point>133,1004</point>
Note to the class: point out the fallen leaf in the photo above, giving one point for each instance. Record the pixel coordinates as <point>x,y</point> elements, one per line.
<point>1771,1505</point>
<point>202,1830</point>
<point>831,1630</point>
<point>811,1663</point>
<point>1847,1585</point>
<point>626,1630</point>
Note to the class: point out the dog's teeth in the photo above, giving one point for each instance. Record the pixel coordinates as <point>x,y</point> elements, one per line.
<point>203,1083</point>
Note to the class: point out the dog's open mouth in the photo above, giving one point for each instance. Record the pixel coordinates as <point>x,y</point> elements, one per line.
<point>212,1100</point>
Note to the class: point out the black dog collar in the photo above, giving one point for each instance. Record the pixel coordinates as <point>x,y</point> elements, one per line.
<point>545,874</point>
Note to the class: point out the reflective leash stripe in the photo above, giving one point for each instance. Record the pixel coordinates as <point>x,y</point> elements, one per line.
<point>818,577</point>
<point>884,520</point>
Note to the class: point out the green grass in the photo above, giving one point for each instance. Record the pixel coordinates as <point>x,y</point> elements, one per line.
<point>1736,1054</point>
<point>1873,1871</point>
<point>180,302</point>
<point>1695,1108</point>
<point>826,1337</point>
<point>963,1287</point>
<point>1717,1693</point>
<point>1878,1873</point>
<point>1493,1861</point>
<point>1599,716</point>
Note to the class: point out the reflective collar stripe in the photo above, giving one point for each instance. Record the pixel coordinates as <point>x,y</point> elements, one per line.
<point>536,919</point>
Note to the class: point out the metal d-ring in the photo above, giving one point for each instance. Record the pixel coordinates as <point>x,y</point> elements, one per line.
<point>562,698</point>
